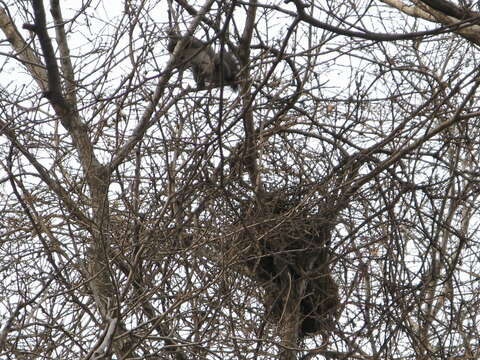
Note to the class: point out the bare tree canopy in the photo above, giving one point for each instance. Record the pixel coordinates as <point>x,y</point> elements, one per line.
<point>287,179</point>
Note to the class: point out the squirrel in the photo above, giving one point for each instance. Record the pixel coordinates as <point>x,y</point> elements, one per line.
<point>206,65</point>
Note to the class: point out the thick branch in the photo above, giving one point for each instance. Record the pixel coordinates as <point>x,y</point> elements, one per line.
<point>450,9</point>
<point>250,155</point>
<point>433,12</point>
<point>411,10</point>
<point>304,16</point>
<point>66,63</point>
<point>54,92</point>
<point>25,53</point>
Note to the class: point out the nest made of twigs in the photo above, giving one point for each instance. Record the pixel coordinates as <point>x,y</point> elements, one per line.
<point>290,258</point>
